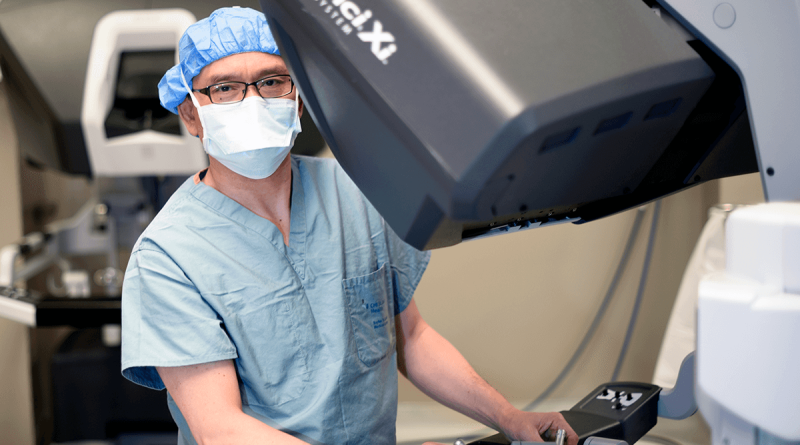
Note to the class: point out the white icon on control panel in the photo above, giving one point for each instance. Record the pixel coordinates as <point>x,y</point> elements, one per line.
<point>619,399</point>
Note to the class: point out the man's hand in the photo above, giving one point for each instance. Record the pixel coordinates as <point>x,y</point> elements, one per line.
<point>533,427</point>
<point>536,427</point>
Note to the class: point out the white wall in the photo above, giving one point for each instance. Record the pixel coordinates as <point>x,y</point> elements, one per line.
<point>745,189</point>
<point>16,402</point>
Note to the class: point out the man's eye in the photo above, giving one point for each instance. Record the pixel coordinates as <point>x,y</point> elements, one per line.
<point>225,88</point>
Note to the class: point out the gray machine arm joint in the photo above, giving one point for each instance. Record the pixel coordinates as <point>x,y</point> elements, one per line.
<point>679,402</point>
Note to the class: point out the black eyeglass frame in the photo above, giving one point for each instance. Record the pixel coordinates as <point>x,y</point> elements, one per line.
<point>207,90</point>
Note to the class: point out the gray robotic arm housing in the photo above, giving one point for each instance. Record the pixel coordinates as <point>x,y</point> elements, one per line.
<point>463,118</point>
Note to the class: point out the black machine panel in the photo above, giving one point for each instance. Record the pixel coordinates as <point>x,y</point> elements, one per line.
<point>620,410</point>
<point>136,104</point>
<point>90,312</point>
<point>464,118</point>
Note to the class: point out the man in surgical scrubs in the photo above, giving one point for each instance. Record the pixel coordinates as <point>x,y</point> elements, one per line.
<point>268,296</point>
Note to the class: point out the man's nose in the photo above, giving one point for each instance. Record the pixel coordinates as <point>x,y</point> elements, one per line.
<point>251,92</point>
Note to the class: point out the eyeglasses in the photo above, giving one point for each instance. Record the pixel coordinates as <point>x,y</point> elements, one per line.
<point>231,92</point>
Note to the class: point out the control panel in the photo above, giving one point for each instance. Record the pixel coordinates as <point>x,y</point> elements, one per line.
<point>614,398</point>
<point>620,410</point>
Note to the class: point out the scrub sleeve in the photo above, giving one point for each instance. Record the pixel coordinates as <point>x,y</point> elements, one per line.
<point>177,328</point>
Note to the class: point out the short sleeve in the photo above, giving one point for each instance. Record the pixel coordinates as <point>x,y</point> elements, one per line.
<point>407,266</point>
<point>165,320</point>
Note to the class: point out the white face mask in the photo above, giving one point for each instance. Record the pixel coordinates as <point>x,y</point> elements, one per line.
<point>251,137</point>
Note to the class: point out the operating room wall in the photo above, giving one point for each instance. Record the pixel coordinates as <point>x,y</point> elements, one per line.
<point>16,402</point>
<point>517,306</point>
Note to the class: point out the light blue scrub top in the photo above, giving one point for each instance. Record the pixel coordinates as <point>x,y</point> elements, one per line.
<point>310,326</point>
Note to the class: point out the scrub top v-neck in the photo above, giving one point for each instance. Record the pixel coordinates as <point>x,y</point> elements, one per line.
<point>310,326</point>
<point>295,250</point>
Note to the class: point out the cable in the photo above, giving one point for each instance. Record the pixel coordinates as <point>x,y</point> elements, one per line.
<point>640,292</point>
<point>623,261</point>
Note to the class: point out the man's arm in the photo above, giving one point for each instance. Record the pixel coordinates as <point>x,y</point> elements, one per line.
<point>208,397</point>
<point>434,366</point>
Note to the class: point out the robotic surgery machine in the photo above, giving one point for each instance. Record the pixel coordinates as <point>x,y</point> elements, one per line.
<point>462,119</point>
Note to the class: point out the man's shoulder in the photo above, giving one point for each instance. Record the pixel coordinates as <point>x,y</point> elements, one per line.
<point>179,212</point>
<point>314,164</point>
<point>332,186</point>
<point>324,171</point>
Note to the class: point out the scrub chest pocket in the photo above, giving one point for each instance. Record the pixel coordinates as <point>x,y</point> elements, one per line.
<point>371,315</point>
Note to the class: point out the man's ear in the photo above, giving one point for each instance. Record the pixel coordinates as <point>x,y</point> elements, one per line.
<point>299,106</point>
<point>190,118</point>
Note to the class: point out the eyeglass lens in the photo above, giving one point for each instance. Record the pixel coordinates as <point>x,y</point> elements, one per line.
<point>269,87</point>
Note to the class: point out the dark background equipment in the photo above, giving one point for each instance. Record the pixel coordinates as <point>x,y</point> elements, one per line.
<point>44,51</point>
<point>44,55</point>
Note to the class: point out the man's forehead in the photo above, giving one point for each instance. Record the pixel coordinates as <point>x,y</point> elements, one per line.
<point>243,65</point>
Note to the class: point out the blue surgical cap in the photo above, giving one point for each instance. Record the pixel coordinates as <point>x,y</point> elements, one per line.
<point>226,31</point>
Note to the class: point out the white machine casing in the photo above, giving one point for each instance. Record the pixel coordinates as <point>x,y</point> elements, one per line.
<point>748,319</point>
<point>146,152</point>
<point>759,40</point>
<point>748,330</point>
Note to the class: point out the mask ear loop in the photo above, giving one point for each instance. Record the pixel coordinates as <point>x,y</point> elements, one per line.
<point>297,127</point>
<point>297,108</point>
<point>191,95</point>
<point>197,106</point>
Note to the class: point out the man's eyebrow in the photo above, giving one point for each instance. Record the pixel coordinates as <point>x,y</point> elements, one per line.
<point>272,72</point>
<point>220,77</point>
